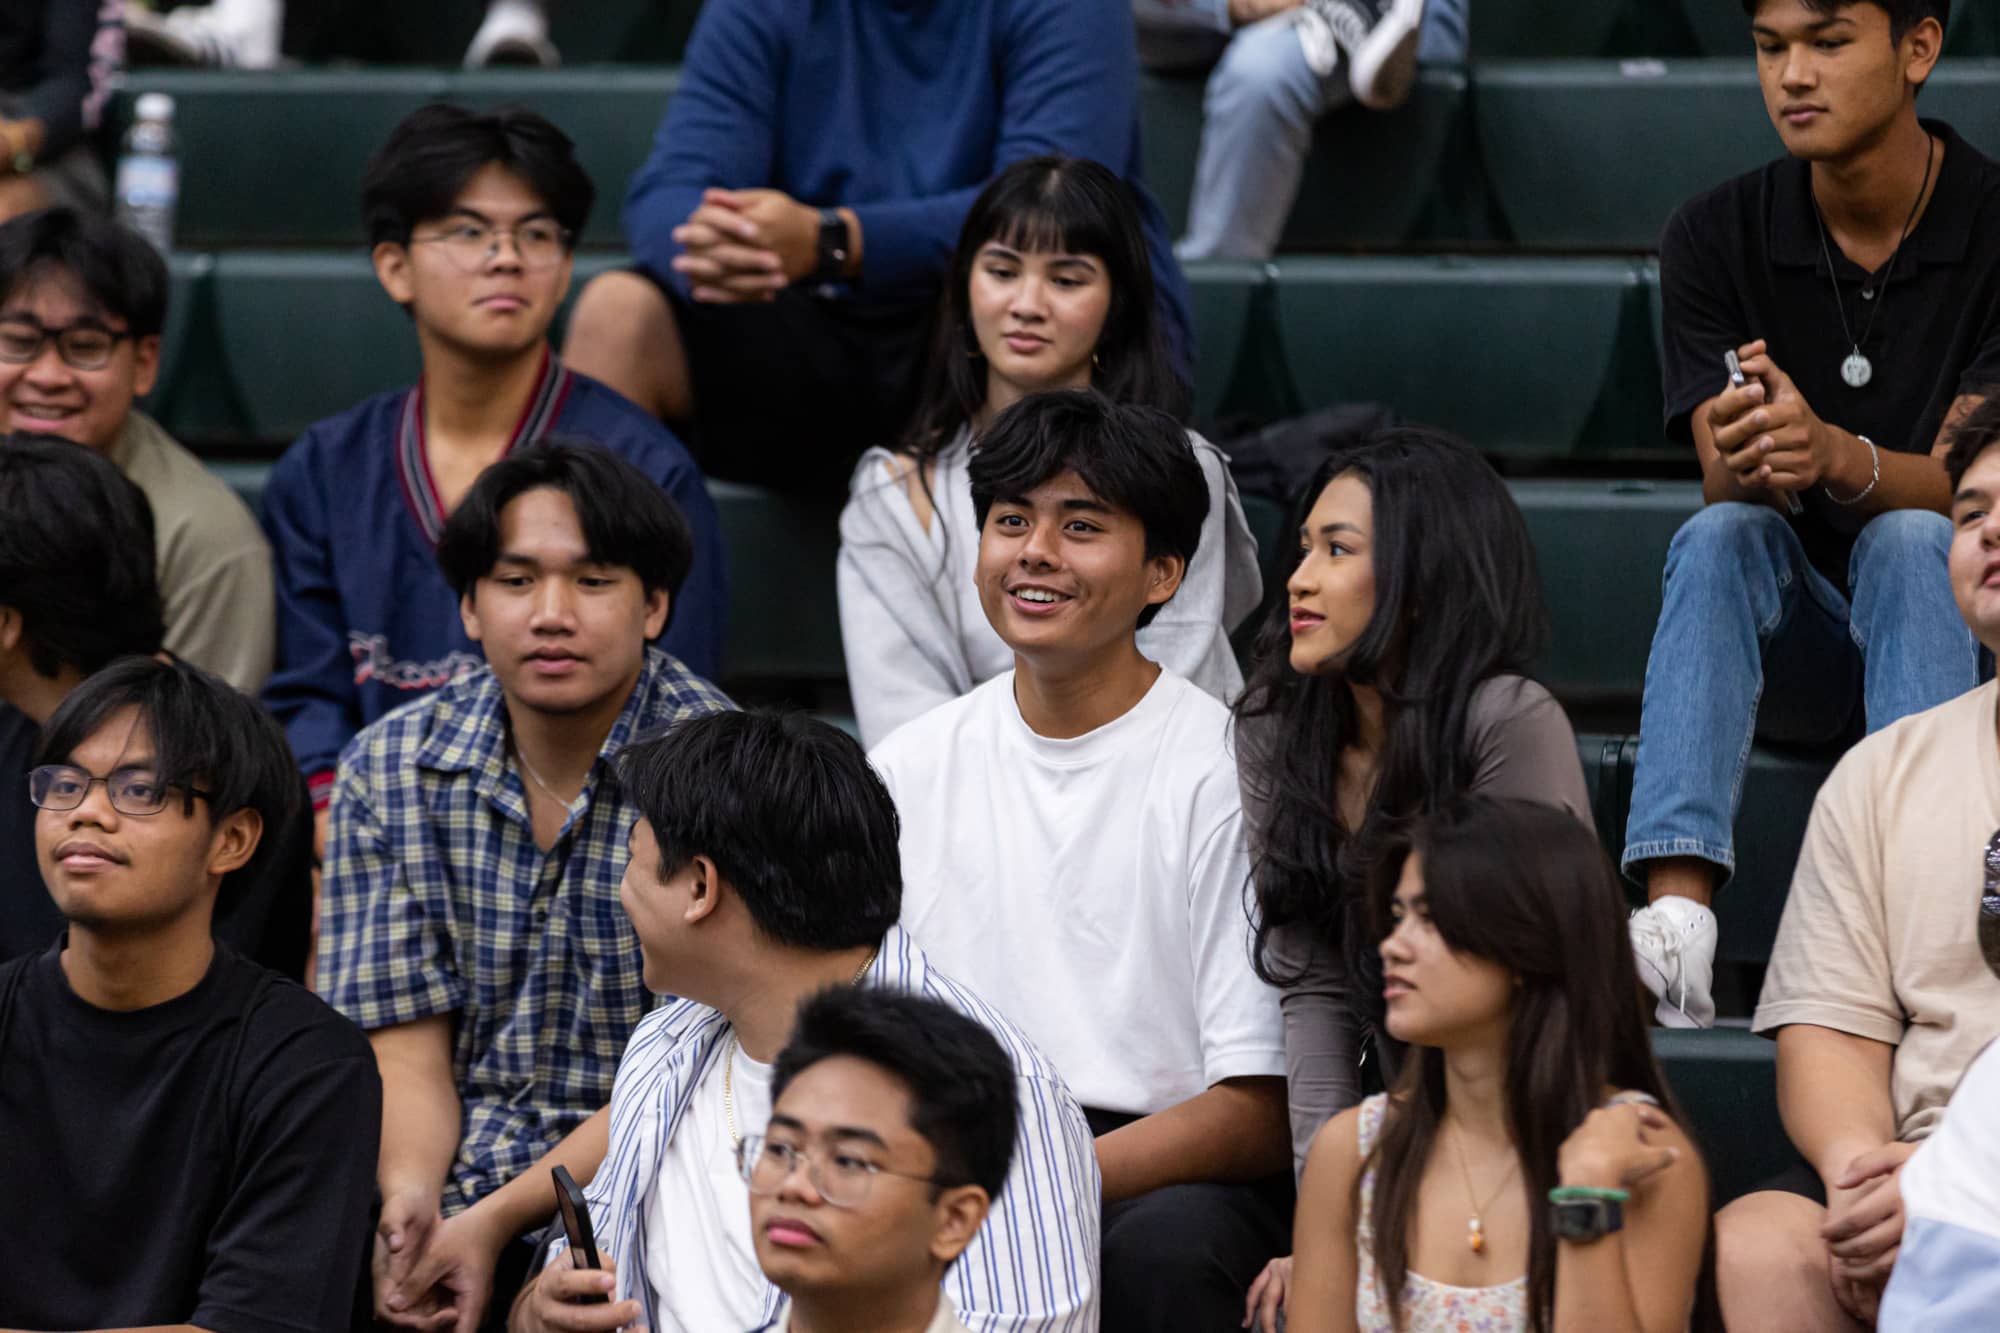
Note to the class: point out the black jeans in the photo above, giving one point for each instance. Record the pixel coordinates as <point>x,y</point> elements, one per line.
<point>1181,1259</point>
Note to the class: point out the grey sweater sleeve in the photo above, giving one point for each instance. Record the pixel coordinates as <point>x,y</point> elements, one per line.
<point>1222,585</point>
<point>1322,1038</point>
<point>903,654</point>
<point>1525,746</point>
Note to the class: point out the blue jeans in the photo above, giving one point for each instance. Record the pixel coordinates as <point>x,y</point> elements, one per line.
<point>1258,112</point>
<point>1744,610</point>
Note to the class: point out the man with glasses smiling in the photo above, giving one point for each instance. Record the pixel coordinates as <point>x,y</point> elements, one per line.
<point>190,1139</point>
<point>473,219</point>
<point>82,304</point>
<point>1881,989</point>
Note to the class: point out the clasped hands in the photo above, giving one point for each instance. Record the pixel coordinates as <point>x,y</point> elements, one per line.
<point>740,246</point>
<point>1768,435</point>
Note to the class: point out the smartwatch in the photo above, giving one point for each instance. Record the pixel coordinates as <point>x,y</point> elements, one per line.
<point>1580,1215</point>
<point>832,247</point>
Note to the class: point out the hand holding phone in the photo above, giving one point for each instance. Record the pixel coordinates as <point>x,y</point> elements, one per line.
<point>1737,380</point>
<point>575,1214</point>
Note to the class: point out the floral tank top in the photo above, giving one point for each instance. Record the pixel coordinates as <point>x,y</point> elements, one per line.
<point>1428,1307</point>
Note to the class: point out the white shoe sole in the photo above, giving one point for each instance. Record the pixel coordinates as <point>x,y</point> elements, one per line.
<point>1384,69</point>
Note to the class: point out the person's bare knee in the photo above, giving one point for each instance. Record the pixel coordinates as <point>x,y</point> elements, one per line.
<point>1771,1266</point>
<point>623,333</point>
<point>21,194</point>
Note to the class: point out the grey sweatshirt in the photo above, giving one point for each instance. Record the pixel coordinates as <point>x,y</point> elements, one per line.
<point>910,618</point>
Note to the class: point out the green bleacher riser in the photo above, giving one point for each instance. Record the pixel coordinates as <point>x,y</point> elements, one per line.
<point>276,159</point>
<point>1596,155</point>
<point>1514,354</point>
<point>1727,1082</point>
<point>1371,179</point>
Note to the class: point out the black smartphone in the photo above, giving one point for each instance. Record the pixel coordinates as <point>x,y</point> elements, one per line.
<point>575,1215</point>
<point>1737,380</point>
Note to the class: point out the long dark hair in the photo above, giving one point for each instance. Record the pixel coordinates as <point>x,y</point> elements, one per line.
<point>1050,204</point>
<point>1457,602</point>
<point>1526,886</point>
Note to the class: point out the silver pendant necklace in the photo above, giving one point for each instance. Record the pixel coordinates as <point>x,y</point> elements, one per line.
<point>1857,370</point>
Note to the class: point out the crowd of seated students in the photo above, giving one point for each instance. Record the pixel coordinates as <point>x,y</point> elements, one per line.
<point>1017,1017</point>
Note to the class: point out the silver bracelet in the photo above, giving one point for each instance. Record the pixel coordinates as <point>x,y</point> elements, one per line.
<point>1875,461</point>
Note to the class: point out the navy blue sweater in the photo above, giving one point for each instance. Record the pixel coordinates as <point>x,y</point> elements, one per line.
<point>901,110</point>
<point>366,620</point>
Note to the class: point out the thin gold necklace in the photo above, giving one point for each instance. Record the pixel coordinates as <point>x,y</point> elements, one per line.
<point>729,1058</point>
<point>1476,1232</point>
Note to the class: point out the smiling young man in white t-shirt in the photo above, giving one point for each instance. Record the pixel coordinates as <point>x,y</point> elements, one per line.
<point>1073,845</point>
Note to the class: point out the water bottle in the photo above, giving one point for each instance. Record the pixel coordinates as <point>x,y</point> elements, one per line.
<point>149,173</point>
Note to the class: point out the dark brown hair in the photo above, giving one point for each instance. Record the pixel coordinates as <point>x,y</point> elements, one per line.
<point>1526,886</point>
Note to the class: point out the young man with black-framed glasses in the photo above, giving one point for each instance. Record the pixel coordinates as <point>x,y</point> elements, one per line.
<point>190,1138</point>
<point>83,302</point>
<point>1881,990</point>
<point>473,219</point>
<point>892,1129</point>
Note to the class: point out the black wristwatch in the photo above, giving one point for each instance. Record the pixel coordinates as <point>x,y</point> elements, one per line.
<point>832,247</point>
<point>1582,1220</point>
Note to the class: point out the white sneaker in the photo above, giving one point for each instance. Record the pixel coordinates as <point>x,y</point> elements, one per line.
<point>516,32</point>
<point>1673,942</point>
<point>1380,38</point>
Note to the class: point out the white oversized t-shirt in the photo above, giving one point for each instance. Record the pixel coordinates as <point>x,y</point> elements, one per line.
<point>1091,889</point>
<point>700,1260</point>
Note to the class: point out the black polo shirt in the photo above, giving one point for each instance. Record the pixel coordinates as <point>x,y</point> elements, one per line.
<point>1744,261</point>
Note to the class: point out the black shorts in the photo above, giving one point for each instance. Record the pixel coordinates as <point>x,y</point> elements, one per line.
<point>1799,1178</point>
<point>787,394</point>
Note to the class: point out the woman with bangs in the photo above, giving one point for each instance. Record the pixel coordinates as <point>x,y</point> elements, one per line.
<point>1051,288</point>
<point>1531,1107</point>
<point>1390,682</point>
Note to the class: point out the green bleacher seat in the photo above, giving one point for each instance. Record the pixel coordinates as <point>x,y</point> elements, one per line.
<point>276,159</point>
<point>1224,296</point>
<point>1371,180</point>
<point>1602,775</point>
<point>1727,1081</point>
<point>1512,354</point>
<point>1653,133</point>
<point>1656,133</point>
<point>1602,547</point>
<point>305,336</point>
<point>1511,29</point>
<point>187,278</point>
<point>784,623</point>
<point>1778,791</point>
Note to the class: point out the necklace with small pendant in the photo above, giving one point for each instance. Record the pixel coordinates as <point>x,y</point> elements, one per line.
<point>1475,1236</point>
<point>1857,370</point>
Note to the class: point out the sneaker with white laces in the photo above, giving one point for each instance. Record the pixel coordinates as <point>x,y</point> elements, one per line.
<point>516,32</point>
<point>1673,942</point>
<point>1380,38</point>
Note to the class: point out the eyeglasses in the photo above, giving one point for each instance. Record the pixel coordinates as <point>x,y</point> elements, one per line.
<point>472,245</point>
<point>842,1180</point>
<point>1989,906</point>
<point>81,346</point>
<point>133,791</point>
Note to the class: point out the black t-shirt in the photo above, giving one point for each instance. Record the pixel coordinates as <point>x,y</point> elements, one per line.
<point>207,1161</point>
<point>1745,261</point>
<point>264,910</point>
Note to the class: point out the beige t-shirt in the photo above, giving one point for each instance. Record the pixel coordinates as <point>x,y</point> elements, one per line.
<point>214,565</point>
<point>1879,936</point>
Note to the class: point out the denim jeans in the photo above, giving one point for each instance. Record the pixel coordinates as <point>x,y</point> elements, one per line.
<point>1753,641</point>
<point>1258,112</point>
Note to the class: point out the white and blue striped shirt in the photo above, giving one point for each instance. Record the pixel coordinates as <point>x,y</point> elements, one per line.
<point>1033,1266</point>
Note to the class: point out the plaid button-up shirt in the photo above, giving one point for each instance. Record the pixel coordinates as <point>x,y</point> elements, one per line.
<point>436,900</point>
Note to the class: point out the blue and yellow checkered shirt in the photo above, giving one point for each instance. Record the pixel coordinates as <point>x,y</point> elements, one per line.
<point>436,900</point>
